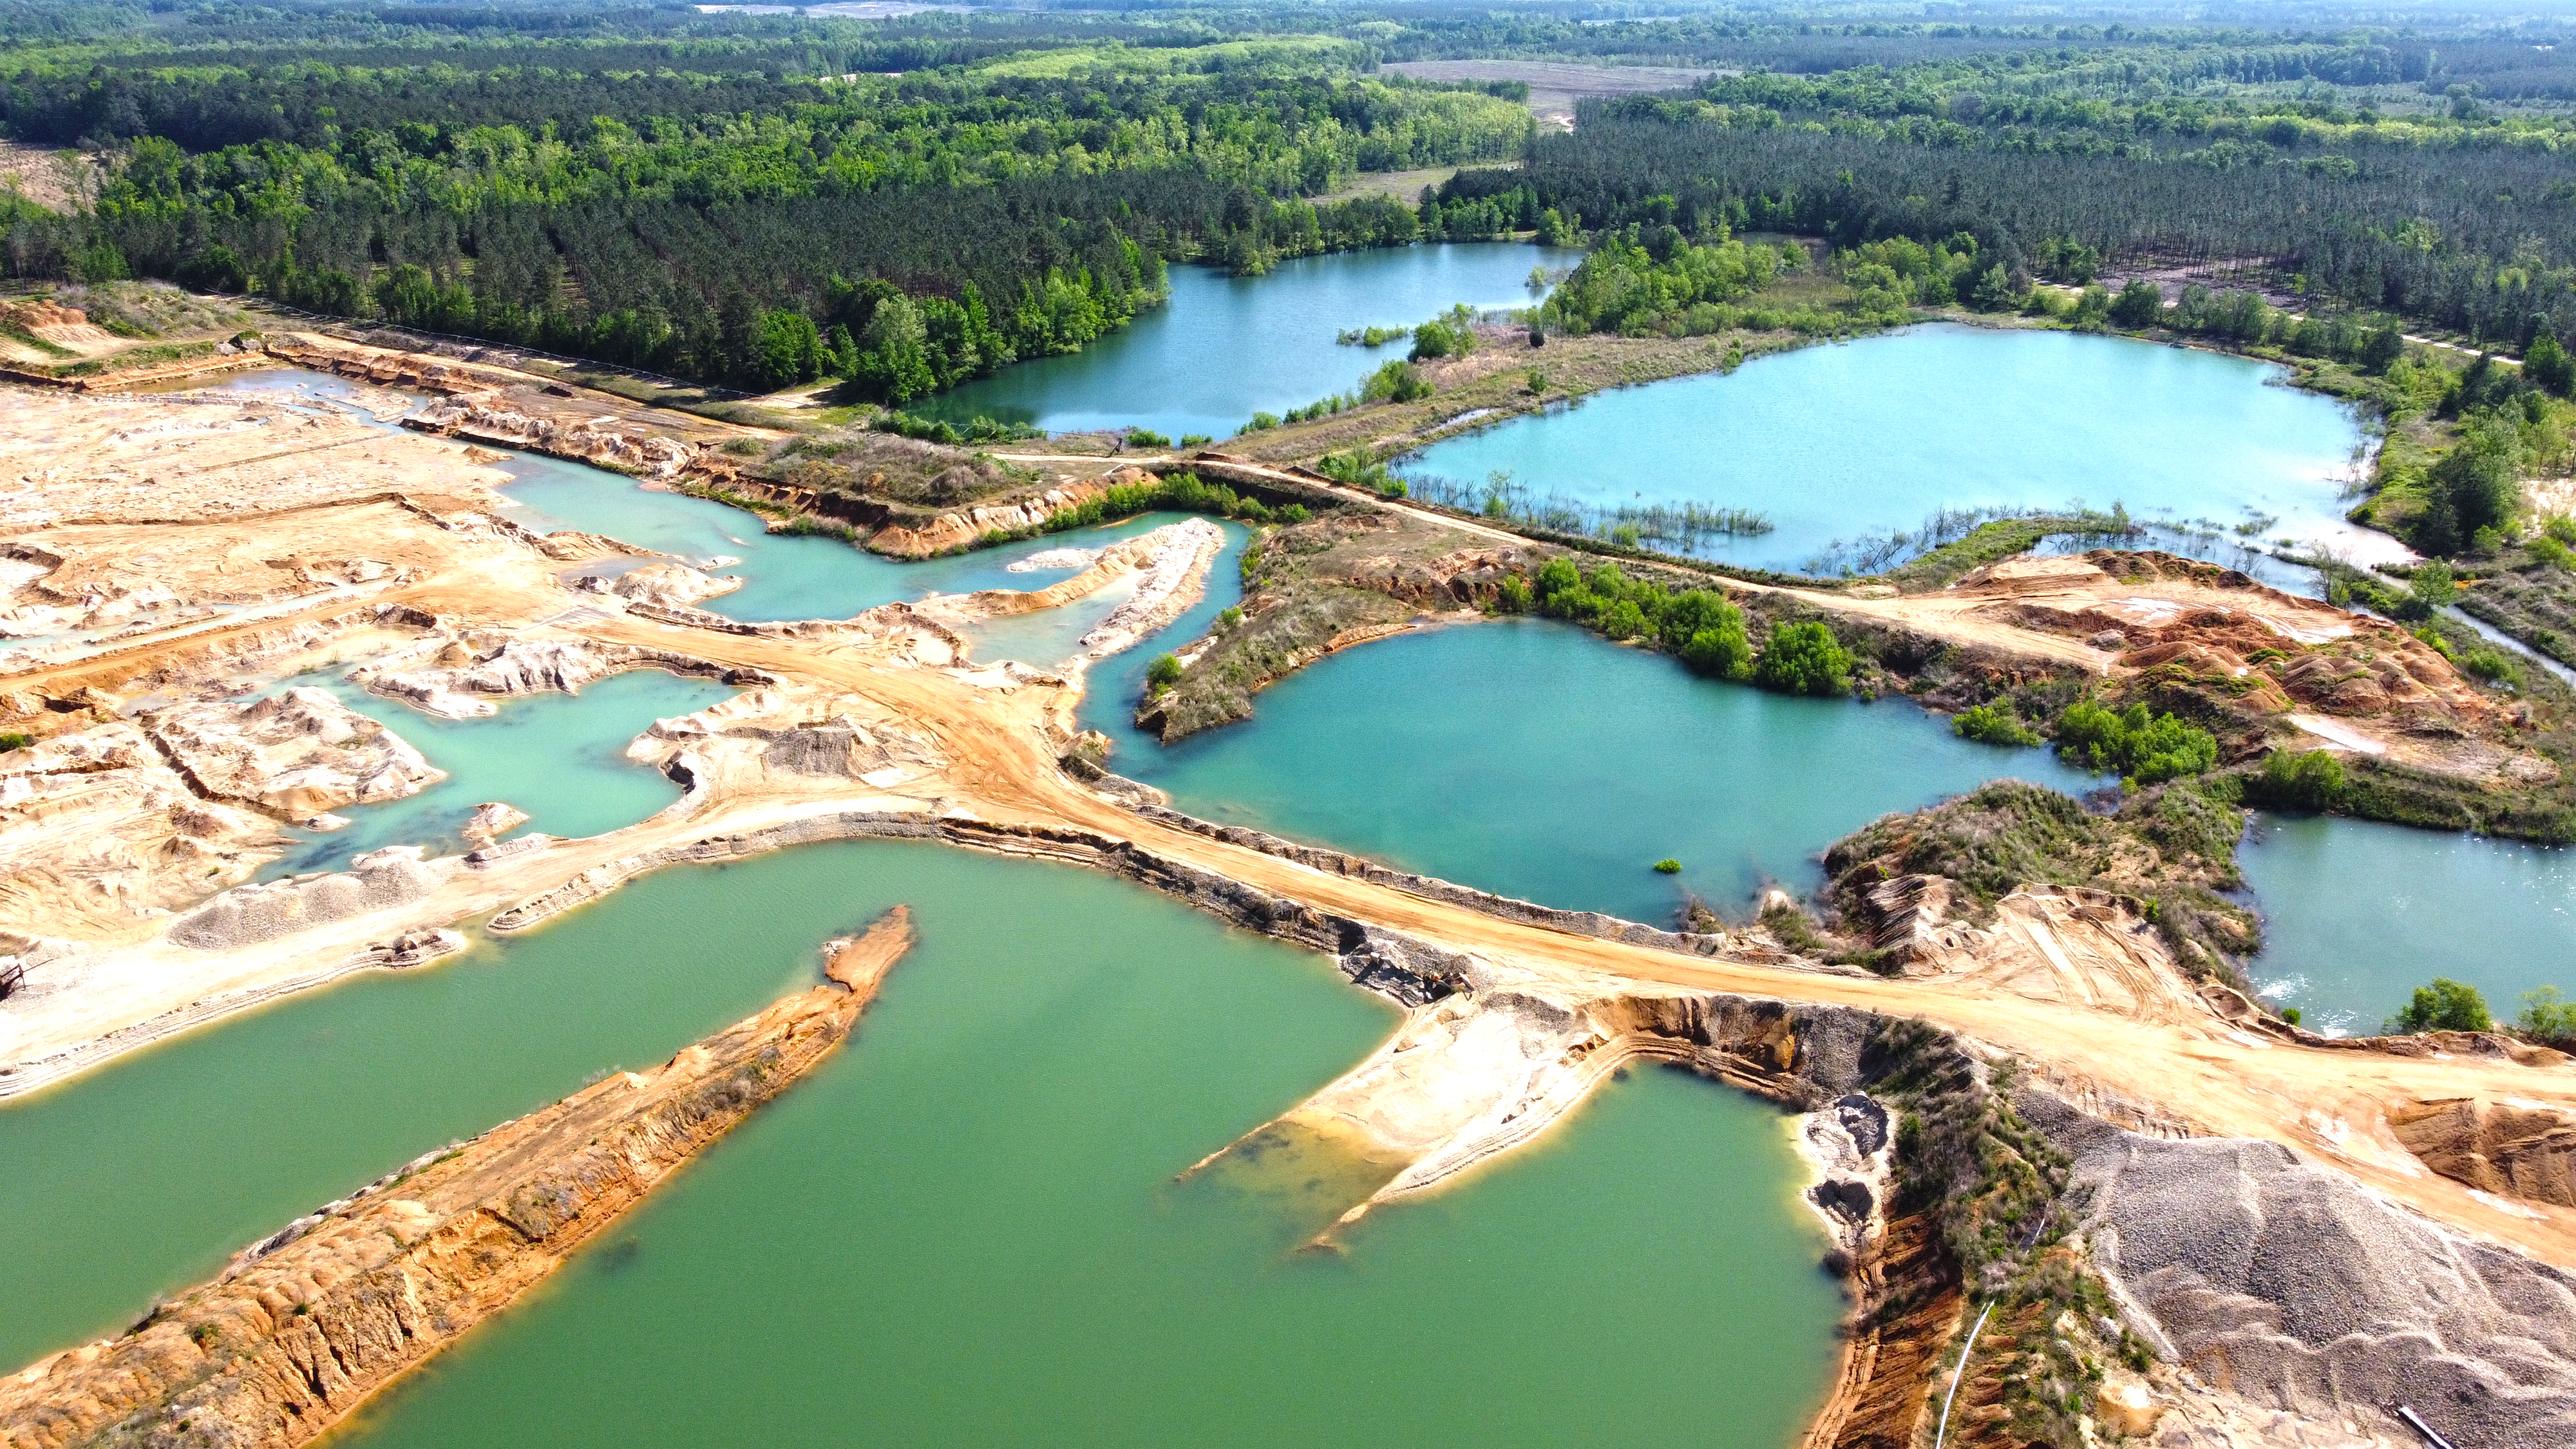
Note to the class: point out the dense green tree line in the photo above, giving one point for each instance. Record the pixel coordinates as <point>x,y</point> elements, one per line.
<point>749,198</point>
<point>2095,101</point>
<point>2470,239</point>
<point>1017,216</point>
<point>1660,282</point>
<point>566,34</point>
<point>1698,626</point>
<point>564,135</point>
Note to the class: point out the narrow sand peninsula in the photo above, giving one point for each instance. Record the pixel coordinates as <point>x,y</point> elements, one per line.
<point>1170,564</point>
<point>307,1324</point>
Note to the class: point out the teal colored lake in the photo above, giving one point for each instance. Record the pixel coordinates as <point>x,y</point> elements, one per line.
<point>2358,914</point>
<point>1226,347</point>
<point>1536,760</point>
<point>785,576</point>
<point>560,758</point>
<point>964,1229</point>
<point>1838,443</point>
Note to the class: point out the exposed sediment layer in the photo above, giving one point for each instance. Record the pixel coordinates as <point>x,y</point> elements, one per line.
<point>457,676</point>
<point>1334,862</point>
<point>1176,570</point>
<point>952,531</point>
<point>601,442</point>
<point>260,911</point>
<point>307,1324</point>
<point>294,755</point>
<point>1171,563</point>
<point>101,837</point>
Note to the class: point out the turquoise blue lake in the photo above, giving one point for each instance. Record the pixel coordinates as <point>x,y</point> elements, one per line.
<point>1226,347</point>
<point>1531,758</point>
<point>560,758</point>
<point>2358,914</point>
<point>1836,444</point>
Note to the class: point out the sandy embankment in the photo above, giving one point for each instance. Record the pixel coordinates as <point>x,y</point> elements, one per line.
<point>1170,566</point>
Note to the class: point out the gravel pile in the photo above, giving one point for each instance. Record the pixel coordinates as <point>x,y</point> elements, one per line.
<point>251,913</point>
<point>2301,1290</point>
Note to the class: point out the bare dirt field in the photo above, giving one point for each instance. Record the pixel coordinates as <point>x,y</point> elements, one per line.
<point>1404,186</point>
<point>1555,85</point>
<point>48,177</point>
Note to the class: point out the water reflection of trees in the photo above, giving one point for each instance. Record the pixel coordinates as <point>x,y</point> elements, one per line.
<point>1680,527</point>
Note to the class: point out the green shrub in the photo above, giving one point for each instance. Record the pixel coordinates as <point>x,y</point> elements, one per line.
<point>1397,381</point>
<point>2142,746</point>
<point>1451,335</point>
<point>1699,625</point>
<point>2492,665</point>
<point>1195,440</point>
<point>2553,553</point>
<point>933,430</point>
<point>2548,366</point>
<point>2290,1014</point>
<point>1371,336</point>
<point>2562,528</point>
<point>1803,659</point>
<point>1725,652</point>
<point>2548,1016</point>
<point>2139,304</point>
<point>1228,617</point>
<point>2445,1005</point>
<point>1146,438</point>
<point>1355,469</point>
<point>13,740</point>
<point>1182,492</point>
<point>2434,585</point>
<point>2309,780</point>
<point>1622,619</point>
<point>1669,866</point>
<point>1691,611</point>
<point>1537,381</point>
<point>1163,673</point>
<point>1992,725</point>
